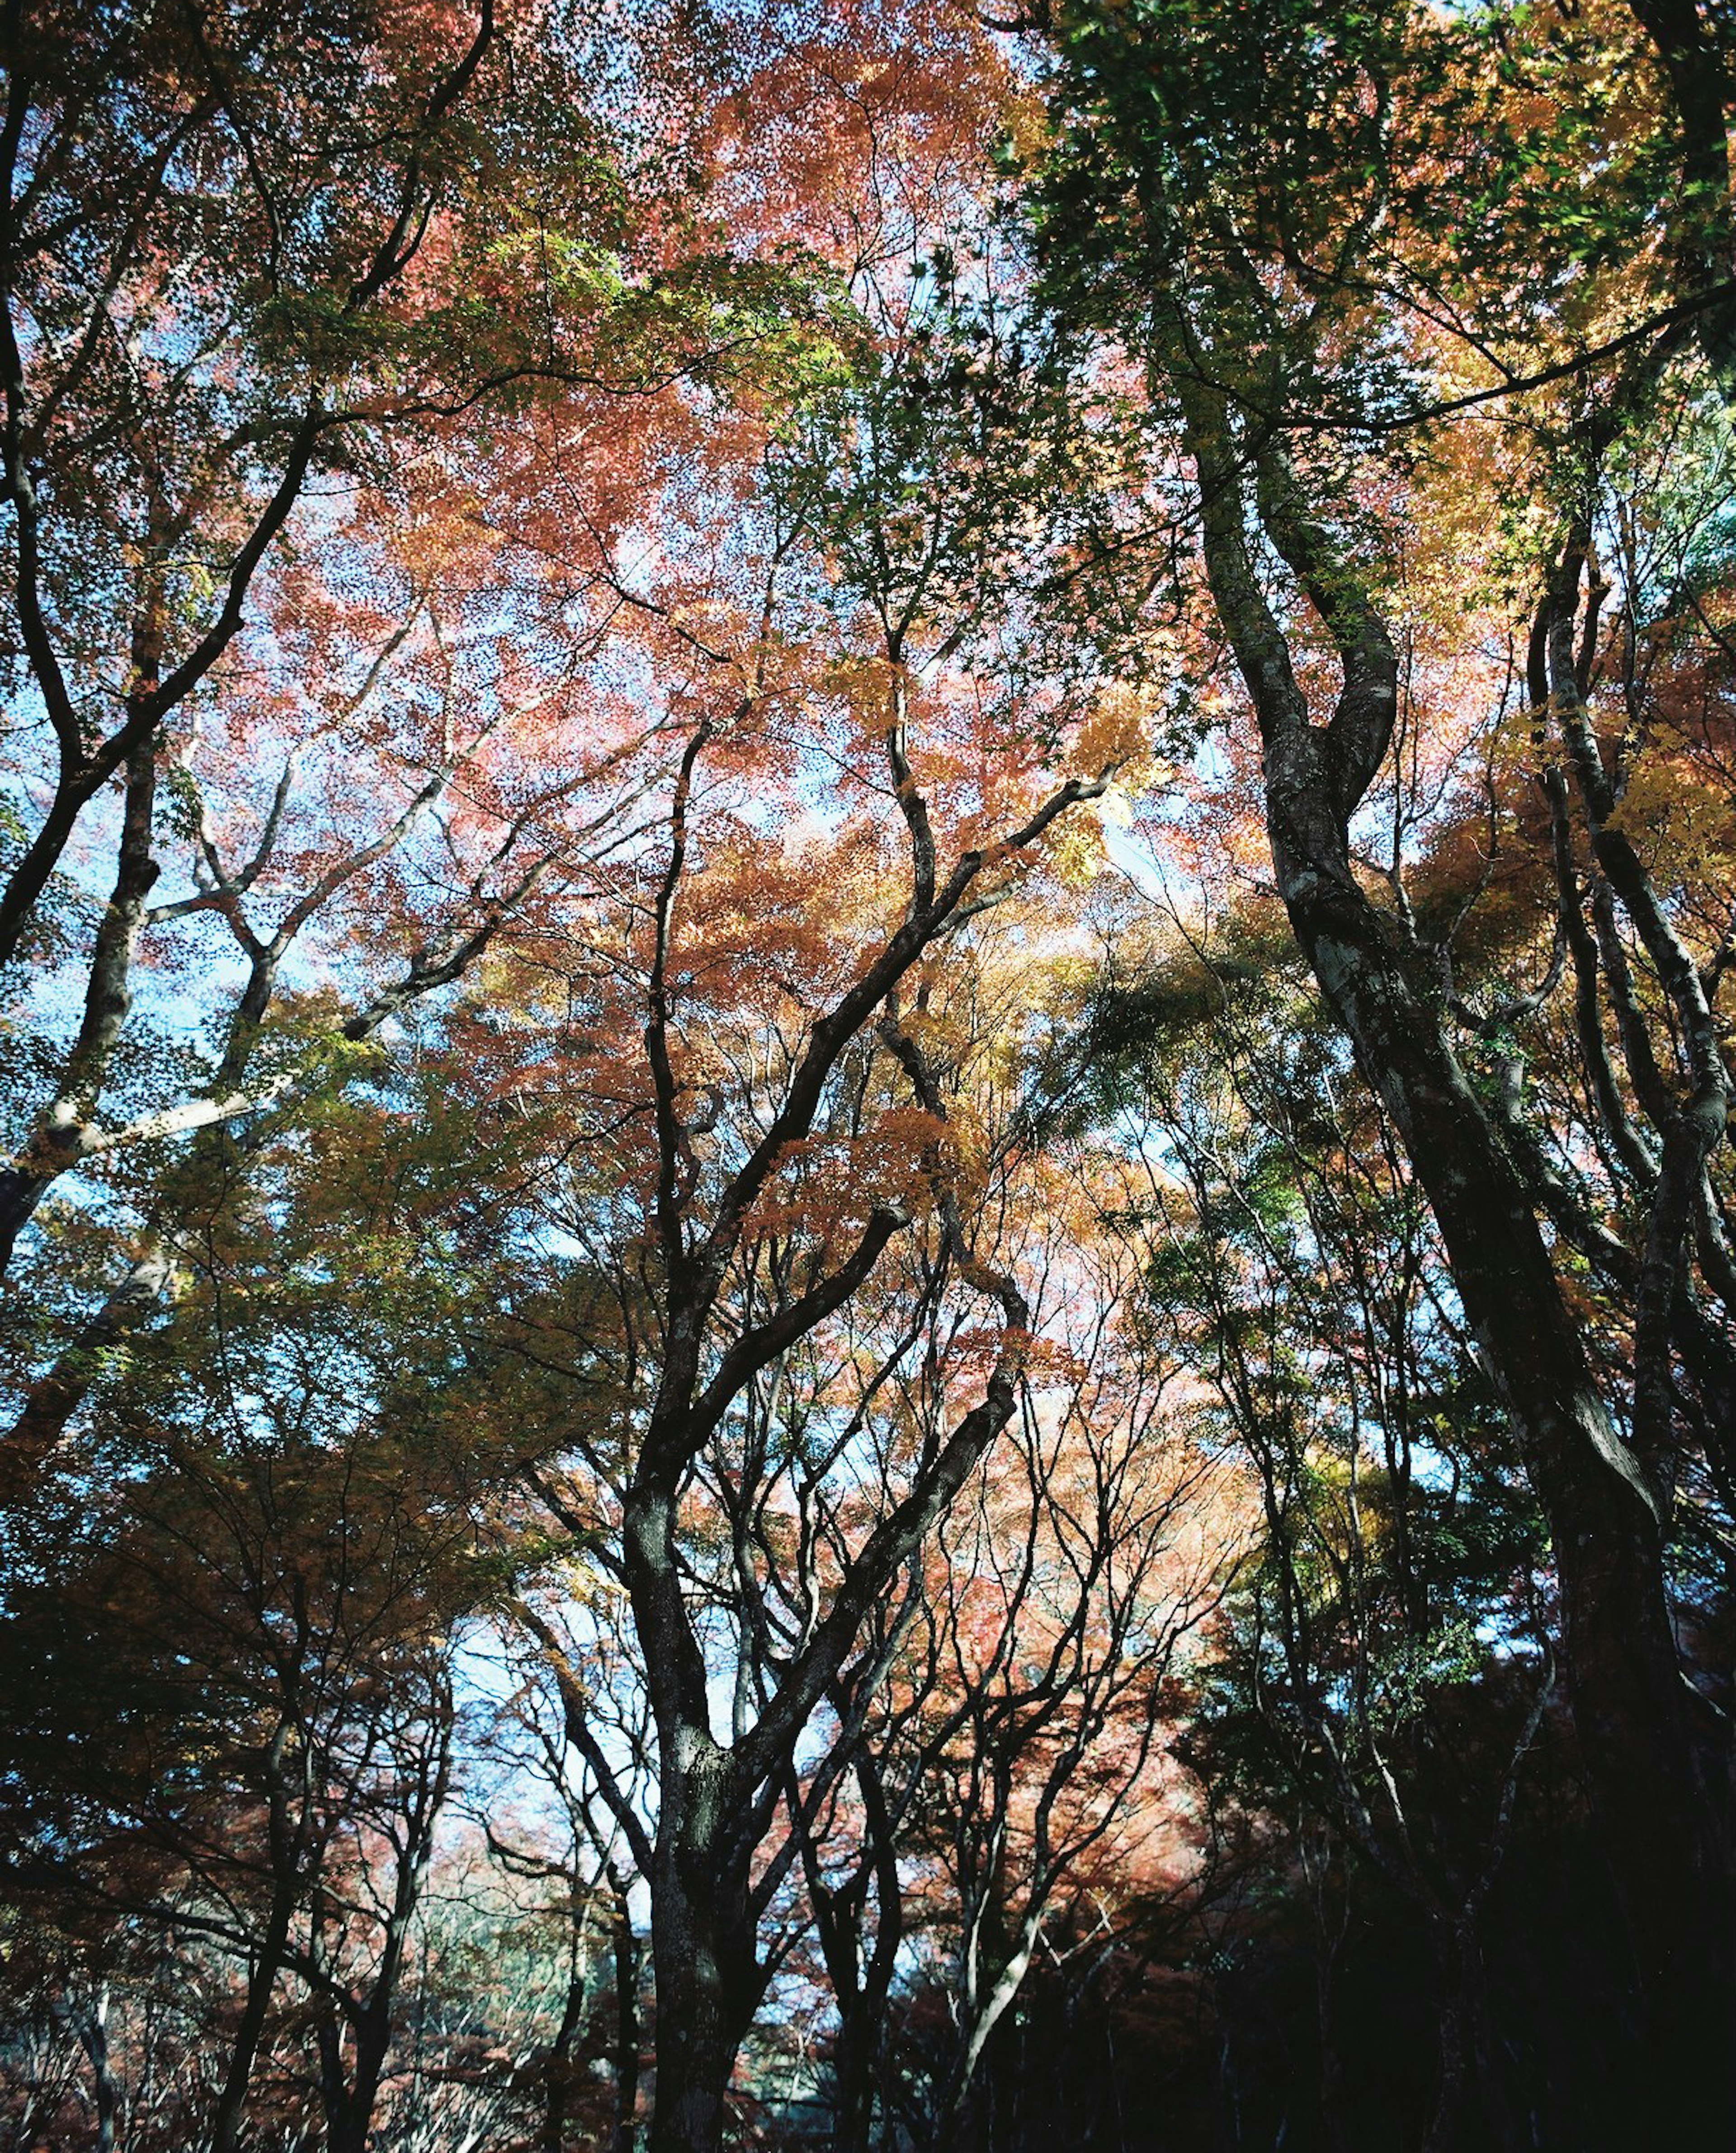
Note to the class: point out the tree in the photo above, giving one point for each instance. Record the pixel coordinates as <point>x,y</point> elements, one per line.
<point>771,1200</point>
<point>277,388</point>
<point>1233,220</point>
<point>231,1711</point>
<point>729,1301</point>
<point>148,475</point>
<point>595,1149</point>
<point>1287,1249</point>
<point>1032,1700</point>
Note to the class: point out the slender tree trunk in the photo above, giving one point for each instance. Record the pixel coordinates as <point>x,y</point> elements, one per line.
<point>706,1968</point>
<point>627,2029</point>
<point>861,1982</point>
<point>261,1980</point>
<point>333,2084</point>
<point>558,2098</point>
<point>93,2033</point>
<point>1326,1948</point>
<point>1466,2079</point>
<point>852,2099</point>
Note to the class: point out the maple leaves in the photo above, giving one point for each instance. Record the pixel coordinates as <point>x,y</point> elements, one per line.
<point>610,657</point>
<point>1304,417</point>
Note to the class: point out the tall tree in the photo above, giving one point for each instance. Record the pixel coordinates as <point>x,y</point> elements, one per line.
<point>1232,210</point>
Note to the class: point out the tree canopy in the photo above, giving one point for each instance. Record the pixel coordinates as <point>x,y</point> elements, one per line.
<point>866,894</point>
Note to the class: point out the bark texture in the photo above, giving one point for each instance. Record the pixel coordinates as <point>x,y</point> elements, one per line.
<point>1656,1764</point>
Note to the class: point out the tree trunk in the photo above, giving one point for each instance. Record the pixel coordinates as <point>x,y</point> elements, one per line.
<point>1699,211</point>
<point>1658,1781</point>
<point>59,1140</point>
<point>349,2097</point>
<point>1648,1775</point>
<point>261,1980</point>
<point>558,2098</point>
<point>94,2032</point>
<point>1468,2080</point>
<point>708,1976</point>
<point>627,2035</point>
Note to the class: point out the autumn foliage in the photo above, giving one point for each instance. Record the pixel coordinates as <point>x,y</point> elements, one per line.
<point>866,890</point>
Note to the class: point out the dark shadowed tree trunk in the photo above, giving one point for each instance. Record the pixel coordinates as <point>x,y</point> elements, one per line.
<point>1653,1756</point>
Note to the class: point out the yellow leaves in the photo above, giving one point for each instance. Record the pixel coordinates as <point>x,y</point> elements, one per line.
<point>1682,823</point>
<point>1115,737</point>
<point>1054,1363</point>
<point>862,681</point>
<point>1075,851</point>
<point>1028,128</point>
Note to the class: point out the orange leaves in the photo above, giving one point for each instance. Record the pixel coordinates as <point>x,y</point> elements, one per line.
<point>1116,736</point>
<point>871,118</point>
<point>826,1185</point>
